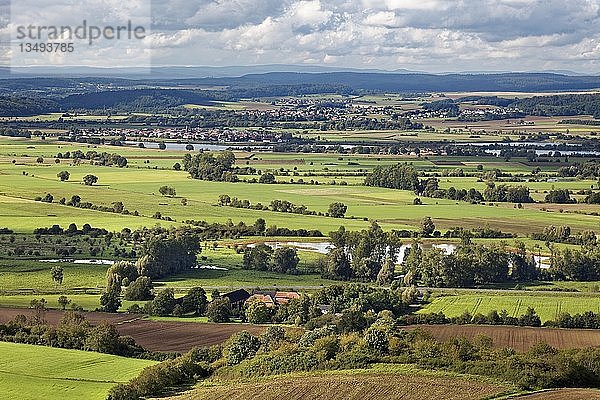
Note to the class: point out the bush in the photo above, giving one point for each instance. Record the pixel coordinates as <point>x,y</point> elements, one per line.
<point>241,346</point>
<point>219,310</point>
<point>139,290</point>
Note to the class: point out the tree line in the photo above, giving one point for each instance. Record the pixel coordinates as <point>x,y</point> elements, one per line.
<point>405,177</point>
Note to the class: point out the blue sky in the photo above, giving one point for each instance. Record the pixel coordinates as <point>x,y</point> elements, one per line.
<point>426,35</point>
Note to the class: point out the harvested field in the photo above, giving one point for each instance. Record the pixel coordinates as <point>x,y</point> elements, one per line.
<point>519,338</point>
<point>181,336</point>
<point>152,335</point>
<point>349,386</point>
<point>53,317</point>
<point>564,394</point>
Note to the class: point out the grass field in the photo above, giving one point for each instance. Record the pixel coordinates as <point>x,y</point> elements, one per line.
<point>137,186</point>
<point>30,372</point>
<point>547,306</point>
<point>383,382</point>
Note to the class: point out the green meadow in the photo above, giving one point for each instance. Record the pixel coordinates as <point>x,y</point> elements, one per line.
<point>137,187</point>
<point>548,306</point>
<point>29,372</point>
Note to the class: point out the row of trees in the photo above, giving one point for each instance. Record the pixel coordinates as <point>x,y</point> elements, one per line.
<point>103,158</point>
<point>73,332</point>
<point>530,318</point>
<point>367,255</point>
<point>335,210</point>
<point>468,265</point>
<point>405,177</point>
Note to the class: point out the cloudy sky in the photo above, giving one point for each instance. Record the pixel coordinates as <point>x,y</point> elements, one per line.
<point>425,35</point>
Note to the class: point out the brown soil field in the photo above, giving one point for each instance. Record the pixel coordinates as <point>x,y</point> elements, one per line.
<point>181,336</point>
<point>519,338</point>
<point>348,386</point>
<point>564,394</point>
<point>151,335</point>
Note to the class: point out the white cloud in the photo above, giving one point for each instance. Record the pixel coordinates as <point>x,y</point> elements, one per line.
<point>435,35</point>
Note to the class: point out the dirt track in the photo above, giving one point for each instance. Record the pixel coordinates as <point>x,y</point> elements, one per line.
<point>564,394</point>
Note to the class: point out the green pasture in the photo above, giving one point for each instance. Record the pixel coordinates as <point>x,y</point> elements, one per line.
<point>34,275</point>
<point>137,187</point>
<point>138,190</point>
<point>23,280</point>
<point>29,372</point>
<point>548,306</point>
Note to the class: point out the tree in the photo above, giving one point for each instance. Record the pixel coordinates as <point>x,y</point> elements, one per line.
<point>260,226</point>
<point>167,191</point>
<point>377,340</point>
<point>561,196</point>
<point>285,260</point>
<point>337,210</point>
<point>257,257</point>
<point>219,310</point>
<point>267,177</point>
<point>139,290</point>
<point>338,265</point>
<point>164,303</point>
<point>177,166</point>
<point>111,300</point>
<point>103,338</point>
<point>90,179</point>
<point>257,312</point>
<point>386,274</point>
<point>40,309</point>
<point>57,274</point>
<point>166,254</point>
<point>39,160</point>
<point>224,200</point>
<point>241,346</point>
<point>63,175</point>
<point>118,207</point>
<point>75,201</point>
<point>530,318</point>
<point>195,301</point>
<point>120,271</point>
<point>63,301</point>
<point>427,226</point>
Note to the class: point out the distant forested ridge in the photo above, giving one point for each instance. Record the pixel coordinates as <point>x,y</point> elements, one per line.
<point>20,106</point>
<point>31,96</point>
<point>142,99</point>
<point>565,104</point>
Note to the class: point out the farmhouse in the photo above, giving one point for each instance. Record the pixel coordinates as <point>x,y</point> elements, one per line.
<point>273,298</point>
<point>237,298</point>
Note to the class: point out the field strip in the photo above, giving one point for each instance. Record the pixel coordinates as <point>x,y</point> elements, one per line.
<point>476,306</point>
<point>517,308</point>
<point>55,378</point>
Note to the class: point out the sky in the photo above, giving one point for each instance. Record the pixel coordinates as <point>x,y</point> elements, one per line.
<point>422,35</point>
